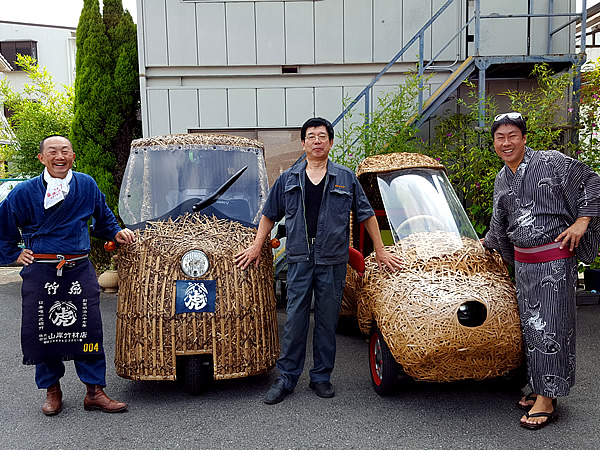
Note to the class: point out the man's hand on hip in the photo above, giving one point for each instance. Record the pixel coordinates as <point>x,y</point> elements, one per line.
<point>572,235</point>
<point>26,257</point>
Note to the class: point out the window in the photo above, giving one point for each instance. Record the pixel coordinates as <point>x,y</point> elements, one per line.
<point>10,49</point>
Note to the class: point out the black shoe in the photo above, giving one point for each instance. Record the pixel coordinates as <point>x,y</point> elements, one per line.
<point>323,389</point>
<point>276,393</point>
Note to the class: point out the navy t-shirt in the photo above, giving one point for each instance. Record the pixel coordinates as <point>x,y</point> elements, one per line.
<point>313,194</point>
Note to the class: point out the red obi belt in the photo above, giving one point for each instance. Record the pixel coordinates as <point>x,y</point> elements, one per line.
<point>543,253</point>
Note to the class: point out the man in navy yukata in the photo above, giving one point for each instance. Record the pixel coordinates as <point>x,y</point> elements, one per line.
<point>545,217</point>
<point>61,297</point>
<point>315,197</point>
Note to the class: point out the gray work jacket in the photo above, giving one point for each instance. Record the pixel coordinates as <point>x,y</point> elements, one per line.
<point>342,193</point>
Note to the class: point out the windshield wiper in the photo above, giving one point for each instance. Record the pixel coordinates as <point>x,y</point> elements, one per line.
<point>215,196</point>
<point>193,204</point>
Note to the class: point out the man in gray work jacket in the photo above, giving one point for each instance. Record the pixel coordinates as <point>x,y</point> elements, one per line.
<point>315,197</point>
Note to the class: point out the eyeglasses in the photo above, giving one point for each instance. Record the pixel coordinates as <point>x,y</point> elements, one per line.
<point>322,137</point>
<point>510,115</point>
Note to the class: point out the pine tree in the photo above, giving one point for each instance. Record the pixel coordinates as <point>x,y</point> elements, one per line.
<point>123,36</point>
<point>106,94</point>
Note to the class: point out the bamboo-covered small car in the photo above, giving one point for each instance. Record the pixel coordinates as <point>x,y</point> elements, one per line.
<point>451,313</point>
<point>185,310</point>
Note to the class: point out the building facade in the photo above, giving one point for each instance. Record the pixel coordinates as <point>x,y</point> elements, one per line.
<point>260,68</point>
<point>52,46</point>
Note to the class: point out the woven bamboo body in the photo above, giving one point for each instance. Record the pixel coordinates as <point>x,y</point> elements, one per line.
<point>241,334</point>
<point>416,307</point>
<point>416,310</point>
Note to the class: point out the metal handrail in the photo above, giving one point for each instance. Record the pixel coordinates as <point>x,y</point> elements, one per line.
<point>366,92</point>
<point>476,18</point>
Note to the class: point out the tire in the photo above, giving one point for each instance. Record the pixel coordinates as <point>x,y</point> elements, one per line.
<point>384,368</point>
<point>198,373</point>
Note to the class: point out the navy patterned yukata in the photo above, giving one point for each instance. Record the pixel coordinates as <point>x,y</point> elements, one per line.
<point>545,196</point>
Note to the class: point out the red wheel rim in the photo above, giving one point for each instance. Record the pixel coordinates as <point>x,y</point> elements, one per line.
<point>376,359</point>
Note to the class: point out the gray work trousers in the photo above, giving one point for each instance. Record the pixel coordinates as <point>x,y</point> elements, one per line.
<point>327,283</point>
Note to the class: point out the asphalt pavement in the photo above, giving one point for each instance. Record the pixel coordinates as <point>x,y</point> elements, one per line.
<point>231,414</point>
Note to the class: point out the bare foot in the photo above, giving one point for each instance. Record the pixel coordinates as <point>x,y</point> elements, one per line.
<point>542,405</point>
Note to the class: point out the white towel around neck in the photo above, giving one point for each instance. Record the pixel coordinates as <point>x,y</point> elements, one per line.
<point>57,188</point>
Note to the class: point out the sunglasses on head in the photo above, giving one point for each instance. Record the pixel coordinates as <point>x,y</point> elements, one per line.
<point>510,115</point>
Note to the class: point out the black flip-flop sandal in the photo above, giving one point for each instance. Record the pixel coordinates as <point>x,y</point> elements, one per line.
<point>531,396</point>
<point>551,417</point>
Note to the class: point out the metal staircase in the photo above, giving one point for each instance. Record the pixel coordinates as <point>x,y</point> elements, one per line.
<point>442,93</point>
<point>471,32</point>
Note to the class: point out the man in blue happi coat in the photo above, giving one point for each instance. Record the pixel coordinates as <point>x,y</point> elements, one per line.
<point>61,296</point>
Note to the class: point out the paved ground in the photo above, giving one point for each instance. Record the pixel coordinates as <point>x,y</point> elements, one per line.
<point>232,415</point>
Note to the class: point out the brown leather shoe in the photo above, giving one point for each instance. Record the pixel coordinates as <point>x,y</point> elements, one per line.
<point>97,399</point>
<point>53,403</point>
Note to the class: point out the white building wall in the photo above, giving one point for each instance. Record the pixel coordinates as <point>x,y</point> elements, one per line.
<point>522,35</point>
<point>229,56</point>
<point>268,64</point>
<point>258,32</point>
<point>55,48</point>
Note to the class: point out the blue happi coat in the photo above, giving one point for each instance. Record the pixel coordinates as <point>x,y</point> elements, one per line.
<point>61,310</point>
<point>62,229</point>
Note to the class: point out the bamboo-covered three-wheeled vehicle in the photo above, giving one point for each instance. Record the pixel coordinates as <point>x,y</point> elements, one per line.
<point>185,310</point>
<point>451,312</point>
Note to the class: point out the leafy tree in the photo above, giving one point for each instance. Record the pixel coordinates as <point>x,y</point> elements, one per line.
<point>468,152</point>
<point>123,36</point>
<point>386,130</point>
<point>40,110</point>
<point>106,93</point>
<point>589,116</point>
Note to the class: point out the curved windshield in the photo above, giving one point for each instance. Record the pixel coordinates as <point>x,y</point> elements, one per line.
<point>161,182</point>
<point>420,203</point>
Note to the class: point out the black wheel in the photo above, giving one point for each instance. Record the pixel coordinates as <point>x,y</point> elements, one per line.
<point>198,373</point>
<point>348,326</point>
<point>384,368</point>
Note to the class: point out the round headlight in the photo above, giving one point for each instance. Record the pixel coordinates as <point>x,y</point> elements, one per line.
<point>194,263</point>
<point>472,314</point>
